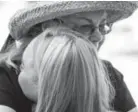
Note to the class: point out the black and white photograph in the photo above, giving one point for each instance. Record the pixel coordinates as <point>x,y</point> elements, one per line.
<point>68,56</point>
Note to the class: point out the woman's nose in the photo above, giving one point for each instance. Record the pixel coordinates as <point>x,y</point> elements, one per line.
<point>96,36</point>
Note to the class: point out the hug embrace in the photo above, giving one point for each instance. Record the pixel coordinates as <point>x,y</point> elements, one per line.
<point>56,67</point>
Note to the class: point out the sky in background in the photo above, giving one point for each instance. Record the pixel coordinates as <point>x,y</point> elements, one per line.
<point>120,47</point>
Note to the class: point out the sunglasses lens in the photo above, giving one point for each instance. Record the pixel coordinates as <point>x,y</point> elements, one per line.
<point>105,28</point>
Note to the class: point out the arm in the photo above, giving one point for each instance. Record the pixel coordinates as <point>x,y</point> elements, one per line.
<point>6,109</point>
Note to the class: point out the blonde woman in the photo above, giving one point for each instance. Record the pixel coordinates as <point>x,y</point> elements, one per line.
<point>93,19</point>
<point>62,73</point>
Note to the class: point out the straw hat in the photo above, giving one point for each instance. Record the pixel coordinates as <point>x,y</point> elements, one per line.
<point>36,12</point>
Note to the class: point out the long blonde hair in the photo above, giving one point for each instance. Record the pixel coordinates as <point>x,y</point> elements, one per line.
<point>71,77</point>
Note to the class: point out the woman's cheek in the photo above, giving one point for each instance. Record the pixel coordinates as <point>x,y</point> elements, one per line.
<point>28,86</point>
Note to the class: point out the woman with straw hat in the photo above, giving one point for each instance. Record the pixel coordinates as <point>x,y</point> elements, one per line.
<point>93,19</point>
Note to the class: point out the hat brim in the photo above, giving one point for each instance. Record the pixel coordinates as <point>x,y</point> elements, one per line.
<point>24,19</point>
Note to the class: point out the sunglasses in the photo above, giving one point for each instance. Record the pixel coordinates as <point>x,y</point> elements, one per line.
<point>89,29</point>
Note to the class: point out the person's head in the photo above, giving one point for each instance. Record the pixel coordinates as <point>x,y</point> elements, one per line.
<point>93,25</point>
<point>91,18</point>
<point>61,72</point>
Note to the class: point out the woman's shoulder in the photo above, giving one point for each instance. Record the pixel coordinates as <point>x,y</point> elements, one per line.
<point>4,71</point>
<point>123,100</point>
<point>114,74</point>
<point>8,73</point>
<point>4,67</point>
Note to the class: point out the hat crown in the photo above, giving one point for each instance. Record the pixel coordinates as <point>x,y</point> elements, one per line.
<point>39,3</point>
<point>39,11</point>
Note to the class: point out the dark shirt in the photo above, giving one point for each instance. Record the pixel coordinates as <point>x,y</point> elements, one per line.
<point>11,94</point>
<point>123,100</point>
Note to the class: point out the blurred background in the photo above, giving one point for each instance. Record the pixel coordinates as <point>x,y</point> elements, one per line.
<point>120,47</point>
